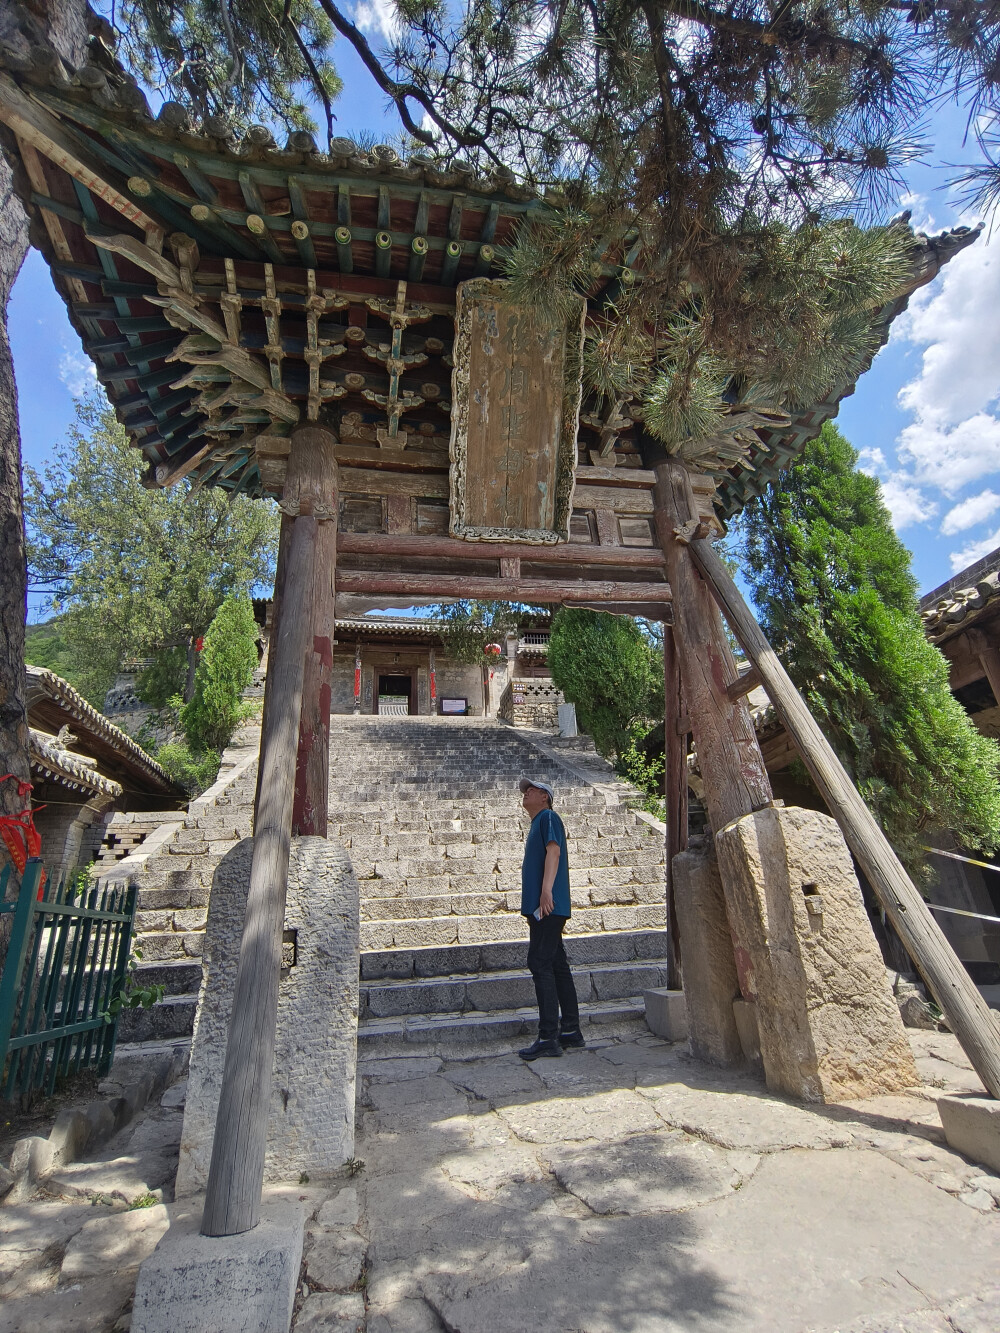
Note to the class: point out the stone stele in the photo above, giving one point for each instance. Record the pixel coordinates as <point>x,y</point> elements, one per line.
<point>311,1125</point>
<point>710,980</point>
<point>829,1027</point>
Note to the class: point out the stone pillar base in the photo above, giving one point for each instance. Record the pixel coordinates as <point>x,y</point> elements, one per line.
<point>665,1013</point>
<point>710,979</point>
<point>829,1027</point>
<point>311,1124</point>
<point>229,1284</point>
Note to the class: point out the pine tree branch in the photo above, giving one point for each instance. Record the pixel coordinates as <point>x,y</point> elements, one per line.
<point>400,92</point>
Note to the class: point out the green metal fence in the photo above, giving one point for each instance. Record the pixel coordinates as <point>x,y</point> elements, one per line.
<point>66,959</point>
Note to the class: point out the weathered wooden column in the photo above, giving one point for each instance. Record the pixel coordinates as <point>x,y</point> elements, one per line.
<point>972,1022</point>
<point>675,788</point>
<point>732,766</point>
<point>236,1175</point>
<point>312,768</point>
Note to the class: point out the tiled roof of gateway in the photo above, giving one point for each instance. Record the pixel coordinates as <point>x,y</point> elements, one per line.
<point>54,701</point>
<point>51,763</point>
<point>262,223</point>
<point>956,605</point>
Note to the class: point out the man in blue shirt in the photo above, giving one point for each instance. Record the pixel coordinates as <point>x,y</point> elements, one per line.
<point>545,903</point>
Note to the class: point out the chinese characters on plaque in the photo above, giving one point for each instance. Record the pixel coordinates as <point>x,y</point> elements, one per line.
<point>515,405</point>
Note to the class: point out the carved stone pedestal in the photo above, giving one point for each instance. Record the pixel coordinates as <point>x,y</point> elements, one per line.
<point>829,1026</point>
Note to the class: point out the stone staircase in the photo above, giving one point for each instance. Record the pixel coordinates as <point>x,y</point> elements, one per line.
<point>430,813</point>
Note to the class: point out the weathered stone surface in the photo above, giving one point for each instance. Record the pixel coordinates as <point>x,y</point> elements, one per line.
<point>405,1316</point>
<point>710,980</point>
<point>416,1101</point>
<point>650,1173</point>
<point>666,1013</point>
<point>829,1026</point>
<point>311,1125</point>
<point>116,1177</point>
<point>230,1284</point>
<point>334,1259</point>
<point>483,1171</point>
<point>753,1124</point>
<point>341,1210</point>
<point>747,1026</point>
<point>605,1115</point>
<point>327,1310</point>
<point>972,1126</point>
<point>175,1096</point>
<point>394,1068</point>
<point>108,1244</point>
<point>499,1082</point>
<point>30,1230</point>
<point>30,1160</point>
<point>88,1306</point>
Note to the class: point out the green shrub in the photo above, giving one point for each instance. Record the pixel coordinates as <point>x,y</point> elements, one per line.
<point>193,772</point>
<point>225,669</point>
<point>607,667</point>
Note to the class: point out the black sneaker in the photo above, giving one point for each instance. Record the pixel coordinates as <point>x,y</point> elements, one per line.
<point>539,1047</point>
<point>571,1039</point>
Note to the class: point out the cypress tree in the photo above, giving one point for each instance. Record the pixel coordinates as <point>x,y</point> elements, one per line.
<point>835,595</point>
<point>225,669</point>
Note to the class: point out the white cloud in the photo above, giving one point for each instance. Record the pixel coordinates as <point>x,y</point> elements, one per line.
<point>956,318</point>
<point>77,372</point>
<point>905,502</point>
<point>379,16</point>
<point>871,461</point>
<point>968,555</point>
<point>975,510</point>
<point>949,458</point>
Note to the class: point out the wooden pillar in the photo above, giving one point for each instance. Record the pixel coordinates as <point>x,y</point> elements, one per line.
<point>312,766</point>
<point>972,1022</point>
<point>236,1175</point>
<point>675,789</point>
<point>732,766</point>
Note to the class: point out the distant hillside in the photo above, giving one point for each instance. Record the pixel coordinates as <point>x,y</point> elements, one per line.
<point>44,646</point>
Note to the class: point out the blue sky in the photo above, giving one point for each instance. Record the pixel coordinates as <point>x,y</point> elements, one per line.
<point>925,418</point>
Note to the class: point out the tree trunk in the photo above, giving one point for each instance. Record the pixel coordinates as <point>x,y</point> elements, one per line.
<point>63,25</point>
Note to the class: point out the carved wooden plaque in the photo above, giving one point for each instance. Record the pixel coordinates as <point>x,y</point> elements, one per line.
<point>514,417</point>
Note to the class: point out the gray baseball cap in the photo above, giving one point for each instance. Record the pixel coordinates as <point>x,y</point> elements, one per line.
<point>525,783</point>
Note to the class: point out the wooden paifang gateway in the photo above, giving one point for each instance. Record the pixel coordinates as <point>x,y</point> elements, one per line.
<point>279,322</point>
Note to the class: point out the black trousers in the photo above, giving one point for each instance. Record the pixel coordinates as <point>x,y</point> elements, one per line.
<point>549,967</point>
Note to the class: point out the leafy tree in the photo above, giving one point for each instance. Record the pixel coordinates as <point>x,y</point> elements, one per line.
<point>134,570</point>
<point>607,667</point>
<point>833,586</point>
<point>163,677</point>
<point>469,626</point>
<point>225,669</point>
<point>45,646</point>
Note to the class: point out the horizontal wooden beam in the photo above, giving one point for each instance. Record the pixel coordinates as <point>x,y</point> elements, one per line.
<point>38,127</point>
<point>453,548</point>
<point>500,590</point>
<point>747,682</point>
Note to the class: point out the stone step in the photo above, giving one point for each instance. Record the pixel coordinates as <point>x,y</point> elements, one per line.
<point>182,919</point>
<point>495,991</point>
<point>180,978</point>
<point>425,932</point>
<point>583,951</point>
<point>171,946</point>
<point>504,1029</point>
<point>404,906</point>
<point>173,1016</point>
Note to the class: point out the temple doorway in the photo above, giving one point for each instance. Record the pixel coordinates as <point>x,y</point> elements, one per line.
<point>395,696</point>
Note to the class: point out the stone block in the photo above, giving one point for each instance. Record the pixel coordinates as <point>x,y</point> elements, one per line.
<point>108,1244</point>
<point>746,1024</point>
<point>332,1310</point>
<point>710,978</point>
<point>68,1136</point>
<point>829,1026</point>
<point>229,1284</point>
<point>972,1127</point>
<point>443,962</point>
<point>666,1013</point>
<point>422,933</point>
<point>311,1125</point>
<point>31,1159</point>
